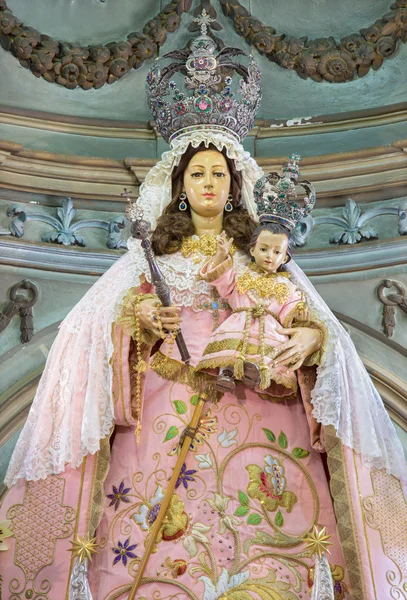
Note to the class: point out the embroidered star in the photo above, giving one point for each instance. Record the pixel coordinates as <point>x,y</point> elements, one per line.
<point>317,541</point>
<point>84,547</point>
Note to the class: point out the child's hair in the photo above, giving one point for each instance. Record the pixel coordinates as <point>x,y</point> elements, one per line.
<point>273,228</point>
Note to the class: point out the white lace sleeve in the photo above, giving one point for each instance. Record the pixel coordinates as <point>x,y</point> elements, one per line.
<point>344,395</point>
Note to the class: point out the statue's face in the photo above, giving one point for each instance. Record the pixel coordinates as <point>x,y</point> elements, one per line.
<point>207,183</point>
<point>270,251</point>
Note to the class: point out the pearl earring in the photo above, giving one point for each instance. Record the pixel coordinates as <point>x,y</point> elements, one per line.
<point>229,205</point>
<point>183,205</point>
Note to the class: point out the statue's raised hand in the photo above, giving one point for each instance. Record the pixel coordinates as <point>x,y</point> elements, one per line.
<point>223,251</point>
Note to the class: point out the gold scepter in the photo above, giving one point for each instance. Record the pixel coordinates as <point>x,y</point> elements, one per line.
<point>141,230</point>
<point>189,434</point>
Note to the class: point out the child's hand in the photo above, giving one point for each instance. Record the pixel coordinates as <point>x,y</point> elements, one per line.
<point>224,246</point>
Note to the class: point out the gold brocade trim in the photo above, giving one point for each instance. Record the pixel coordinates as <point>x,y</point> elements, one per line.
<point>264,285</point>
<point>98,498</point>
<point>237,344</point>
<point>340,491</point>
<point>213,274</point>
<point>205,244</point>
<point>257,269</point>
<point>173,370</point>
<point>127,317</point>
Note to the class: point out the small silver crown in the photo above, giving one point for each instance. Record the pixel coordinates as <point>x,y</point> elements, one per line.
<point>207,97</point>
<point>277,198</point>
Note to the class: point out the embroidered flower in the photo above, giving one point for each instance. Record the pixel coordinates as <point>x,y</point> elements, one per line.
<point>119,495</point>
<point>223,585</point>
<point>204,461</point>
<point>5,533</point>
<point>148,512</point>
<point>220,504</point>
<point>185,476</point>
<point>177,567</point>
<point>207,426</point>
<point>124,551</point>
<point>227,438</point>
<point>269,485</point>
<point>197,535</point>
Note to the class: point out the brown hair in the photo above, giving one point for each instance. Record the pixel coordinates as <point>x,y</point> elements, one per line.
<point>174,225</point>
<point>273,228</point>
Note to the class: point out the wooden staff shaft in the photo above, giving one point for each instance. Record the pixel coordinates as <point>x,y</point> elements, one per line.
<point>168,494</point>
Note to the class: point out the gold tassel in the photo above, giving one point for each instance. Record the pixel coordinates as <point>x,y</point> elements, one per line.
<point>239,367</point>
<point>265,377</point>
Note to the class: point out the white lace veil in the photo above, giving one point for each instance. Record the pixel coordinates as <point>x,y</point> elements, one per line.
<point>61,429</point>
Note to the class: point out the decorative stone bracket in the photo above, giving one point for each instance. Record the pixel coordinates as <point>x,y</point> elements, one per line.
<point>20,303</point>
<point>352,223</point>
<point>390,301</point>
<point>66,230</point>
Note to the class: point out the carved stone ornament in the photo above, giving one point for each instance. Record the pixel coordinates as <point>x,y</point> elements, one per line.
<point>72,65</point>
<point>20,303</point>
<point>323,59</point>
<point>66,232</point>
<point>352,223</point>
<point>390,301</point>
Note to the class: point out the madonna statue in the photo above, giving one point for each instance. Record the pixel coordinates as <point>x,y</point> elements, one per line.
<point>268,479</point>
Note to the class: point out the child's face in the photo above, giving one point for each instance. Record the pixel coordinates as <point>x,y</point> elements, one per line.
<point>270,251</point>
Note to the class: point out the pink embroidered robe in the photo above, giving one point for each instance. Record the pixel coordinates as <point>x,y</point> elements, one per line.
<point>251,487</point>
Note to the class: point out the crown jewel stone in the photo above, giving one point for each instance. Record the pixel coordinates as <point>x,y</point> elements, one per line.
<point>194,90</point>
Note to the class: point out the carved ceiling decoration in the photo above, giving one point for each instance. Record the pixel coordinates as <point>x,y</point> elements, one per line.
<point>322,59</point>
<point>72,65</point>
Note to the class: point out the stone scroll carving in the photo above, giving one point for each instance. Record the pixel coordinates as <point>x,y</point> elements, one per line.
<point>66,230</point>
<point>353,227</point>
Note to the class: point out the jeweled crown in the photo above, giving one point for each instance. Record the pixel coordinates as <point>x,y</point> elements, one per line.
<point>207,96</point>
<point>277,198</point>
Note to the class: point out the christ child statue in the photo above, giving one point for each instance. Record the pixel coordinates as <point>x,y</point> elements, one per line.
<point>263,301</point>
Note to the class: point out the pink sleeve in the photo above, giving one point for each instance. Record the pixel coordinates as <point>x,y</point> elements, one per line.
<point>222,277</point>
<point>295,307</point>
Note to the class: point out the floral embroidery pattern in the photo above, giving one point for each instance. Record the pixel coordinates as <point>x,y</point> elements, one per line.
<point>268,485</point>
<point>207,426</point>
<point>148,512</point>
<point>185,476</point>
<point>123,552</point>
<point>118,495</point>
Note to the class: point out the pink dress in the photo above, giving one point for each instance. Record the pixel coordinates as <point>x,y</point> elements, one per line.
<point>251,487</point>
<point>260,303</point>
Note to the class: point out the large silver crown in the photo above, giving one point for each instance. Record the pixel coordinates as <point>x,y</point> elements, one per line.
<point>277,198</point>
<point>206,96</point>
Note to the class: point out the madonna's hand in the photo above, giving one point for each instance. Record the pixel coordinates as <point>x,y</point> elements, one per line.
<point>151,312</point>
<point>303,342</point>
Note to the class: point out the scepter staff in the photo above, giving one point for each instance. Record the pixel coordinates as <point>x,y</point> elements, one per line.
<point>141,230</point>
